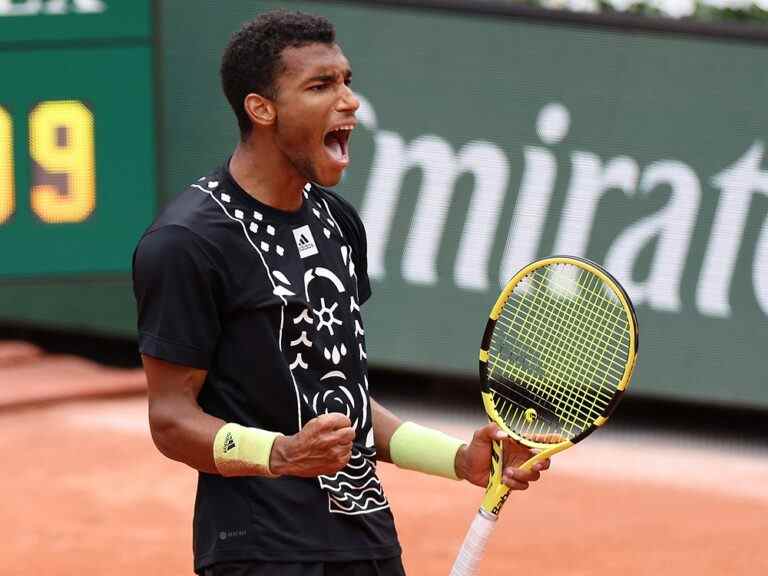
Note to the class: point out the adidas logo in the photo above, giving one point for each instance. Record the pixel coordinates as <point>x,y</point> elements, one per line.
<point>305,242</point>
<point>229,442</point>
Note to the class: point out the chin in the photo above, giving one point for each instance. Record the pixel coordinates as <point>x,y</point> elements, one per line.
<point>328,178</point>
<point>322,170</point>
<point>329,182</point>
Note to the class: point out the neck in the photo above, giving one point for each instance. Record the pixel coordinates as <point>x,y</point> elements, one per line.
<point>265,173</point>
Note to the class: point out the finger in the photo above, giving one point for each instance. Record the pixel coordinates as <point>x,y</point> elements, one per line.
<point>338,440</point>
<point>521,475</point>
<point>513,483</point>
<point>541,466</point>
<point>333,465</point>
<point>510,444</point>
<point>345,447</point>
<point>341,456</point>
<point>342,436</point>
<point>340,451</point>
<point>548,438</point>
<point>515,454</point>
<point>489,432</point>
<point>332,421</point>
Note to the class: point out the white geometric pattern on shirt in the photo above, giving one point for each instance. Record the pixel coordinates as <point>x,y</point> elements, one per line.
<point>355,489</point>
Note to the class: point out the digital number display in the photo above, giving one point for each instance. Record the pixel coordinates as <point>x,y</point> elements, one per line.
<point>77,159</point>
<point>7,189</point>
<point>78,176</point>
<point>61,148</point>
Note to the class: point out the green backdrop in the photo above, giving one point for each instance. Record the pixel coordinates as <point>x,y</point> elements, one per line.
<point>486,141</point>
<point>97,55</point>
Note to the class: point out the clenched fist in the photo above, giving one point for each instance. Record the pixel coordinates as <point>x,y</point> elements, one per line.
<point>322,446</point>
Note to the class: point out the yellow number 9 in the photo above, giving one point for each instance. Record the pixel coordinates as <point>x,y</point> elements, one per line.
<point>7,194</point>
<point>61,145</point>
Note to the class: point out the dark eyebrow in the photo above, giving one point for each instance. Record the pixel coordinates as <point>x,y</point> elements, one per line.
<point>322,78</point>
<point>330,77</point>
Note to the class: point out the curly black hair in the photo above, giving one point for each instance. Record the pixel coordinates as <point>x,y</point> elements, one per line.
<point>252,60</point>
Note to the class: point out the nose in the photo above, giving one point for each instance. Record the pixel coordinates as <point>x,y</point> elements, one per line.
<point>348,100</point>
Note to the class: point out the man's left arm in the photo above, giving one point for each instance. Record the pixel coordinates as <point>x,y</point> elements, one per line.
<point>409,445</point>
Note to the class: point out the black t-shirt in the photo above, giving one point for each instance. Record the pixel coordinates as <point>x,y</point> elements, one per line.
<point>268,302</point>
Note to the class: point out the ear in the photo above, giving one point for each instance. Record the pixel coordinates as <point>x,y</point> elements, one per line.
<point>260,110</point>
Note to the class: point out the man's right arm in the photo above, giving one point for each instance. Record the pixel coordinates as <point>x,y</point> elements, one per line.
<point>180,429</point>
<point>183,432</point>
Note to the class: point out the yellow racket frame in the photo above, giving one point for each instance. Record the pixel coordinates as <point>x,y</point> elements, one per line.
<point>496,494</point>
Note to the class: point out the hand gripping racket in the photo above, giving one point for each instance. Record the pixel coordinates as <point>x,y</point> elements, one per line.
<point>557,354</point>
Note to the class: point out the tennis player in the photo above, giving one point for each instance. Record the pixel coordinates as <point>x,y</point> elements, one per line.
<point>249,286</point>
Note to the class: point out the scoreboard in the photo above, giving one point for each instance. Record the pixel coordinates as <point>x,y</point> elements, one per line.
<point>77,151</point>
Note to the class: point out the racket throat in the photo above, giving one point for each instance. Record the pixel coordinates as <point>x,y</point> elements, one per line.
<point>495,498</point>
<point>497,493</point>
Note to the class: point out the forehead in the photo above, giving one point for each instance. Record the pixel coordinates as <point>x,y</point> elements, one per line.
<point>303,62</point>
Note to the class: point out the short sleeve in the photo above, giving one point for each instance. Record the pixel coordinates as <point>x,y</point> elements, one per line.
<point>178,290</point>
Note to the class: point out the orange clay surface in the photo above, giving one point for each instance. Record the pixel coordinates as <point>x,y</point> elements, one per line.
<point>85,492</point>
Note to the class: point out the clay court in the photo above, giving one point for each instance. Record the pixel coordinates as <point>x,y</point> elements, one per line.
<point>86,492</point>
<point>488,134</point>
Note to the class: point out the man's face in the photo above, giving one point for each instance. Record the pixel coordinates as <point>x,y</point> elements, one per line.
<point>315,111</point>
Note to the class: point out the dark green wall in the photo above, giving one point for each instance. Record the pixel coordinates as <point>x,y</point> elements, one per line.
<point>75,274</point>
<point>668,113</point>
<point>643,150</point>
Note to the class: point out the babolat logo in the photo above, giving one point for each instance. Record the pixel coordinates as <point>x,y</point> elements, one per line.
<point>229,442</point>
<point>305,242</point>
<point>497,508</point>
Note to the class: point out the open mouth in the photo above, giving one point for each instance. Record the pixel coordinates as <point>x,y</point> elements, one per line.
<point>336,142</point>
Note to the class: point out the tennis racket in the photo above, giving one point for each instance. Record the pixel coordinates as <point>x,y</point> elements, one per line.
<point>557,354</point>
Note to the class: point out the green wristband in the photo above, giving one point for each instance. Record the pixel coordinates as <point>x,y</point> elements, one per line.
<point>241,451</point>
<point>416,447</point>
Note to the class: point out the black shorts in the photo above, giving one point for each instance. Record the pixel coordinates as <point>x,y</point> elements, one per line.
<point>387,567</point>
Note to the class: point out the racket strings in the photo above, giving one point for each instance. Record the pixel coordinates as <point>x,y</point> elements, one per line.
<point>569,324</point>
<point>560,346</point>
<point>558,397</point>
<point>584,327</point>
<point>513,399</point>
<point>605,337</point>
<point>566,325</point>
<point>593,368</point>
<point>551,327</point>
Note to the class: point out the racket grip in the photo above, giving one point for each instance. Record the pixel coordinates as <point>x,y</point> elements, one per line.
<point>468,560</point>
